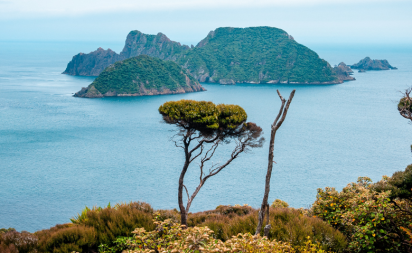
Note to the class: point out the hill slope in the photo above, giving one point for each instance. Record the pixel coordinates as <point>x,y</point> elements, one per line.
<point>139,76</point>
<point>255,55</point>
<point>227,56</point>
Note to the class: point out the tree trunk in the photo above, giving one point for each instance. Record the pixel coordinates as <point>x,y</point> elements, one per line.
<point>275,126</point>
<point>183,213</point>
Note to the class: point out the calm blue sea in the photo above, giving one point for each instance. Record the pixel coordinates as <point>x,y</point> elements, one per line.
<point>59,153</point>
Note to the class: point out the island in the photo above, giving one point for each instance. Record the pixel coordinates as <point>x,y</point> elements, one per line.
<point>344,72</point>
<point>227,56</point>
<point>369,64</point>
<point>141,76</point>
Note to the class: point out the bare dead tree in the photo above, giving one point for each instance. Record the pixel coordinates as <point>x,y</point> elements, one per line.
<point>275,126</point>
<point>405,105</point>
<point>195,137</point>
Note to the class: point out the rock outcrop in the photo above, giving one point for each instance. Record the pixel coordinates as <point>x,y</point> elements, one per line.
<point>344,72</point>
<point>369,64</point>
<point>136,44</point>
<point>227,55</point>
<point>91,64</point>
<point>141,76</point>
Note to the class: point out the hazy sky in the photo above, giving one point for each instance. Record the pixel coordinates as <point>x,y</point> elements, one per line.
<point>188,21</point>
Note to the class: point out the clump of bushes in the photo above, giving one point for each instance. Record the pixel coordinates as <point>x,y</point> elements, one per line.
<point>12,241</point>
<point>374,217</point>
<point>171,237</point>
<point>96,226</point>
<point>279,204</point>
<point>110,229</point>
<point>288,225</point>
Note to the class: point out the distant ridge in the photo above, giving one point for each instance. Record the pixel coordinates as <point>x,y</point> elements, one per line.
<point>227,56</point>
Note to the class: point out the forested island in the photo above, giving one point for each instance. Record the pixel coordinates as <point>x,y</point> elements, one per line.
<point>140,76</point>
<point>227,56</point>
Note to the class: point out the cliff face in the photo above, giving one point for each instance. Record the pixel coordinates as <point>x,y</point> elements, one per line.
<point>369,64</point>
<point>344,72</point>
<point>227,56</point>
<point>137,43</point>
<point>159,46</point>
<point>140,76</point>
<point>91,64</point>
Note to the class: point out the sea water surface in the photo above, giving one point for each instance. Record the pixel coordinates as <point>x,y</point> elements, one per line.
<point>59,153</point>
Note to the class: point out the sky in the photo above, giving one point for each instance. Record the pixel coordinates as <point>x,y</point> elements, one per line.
<point>189,21</point>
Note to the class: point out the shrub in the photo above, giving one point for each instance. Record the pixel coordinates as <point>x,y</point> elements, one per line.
<point>170,237</point>
<point>5,230</point>
<point>369,218</point>
<point>69,238</point>
<point>279,204</point>
<point>96,226</point>
<point>288,225</point>
<point>12,241</point>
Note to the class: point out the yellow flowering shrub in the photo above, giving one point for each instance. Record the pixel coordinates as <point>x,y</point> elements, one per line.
<point>170,237</point>
<point>371,221</point>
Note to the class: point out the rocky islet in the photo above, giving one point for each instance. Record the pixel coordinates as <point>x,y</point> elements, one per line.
<point>368,64</point>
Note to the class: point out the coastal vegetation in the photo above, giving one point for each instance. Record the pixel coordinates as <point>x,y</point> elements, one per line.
<point>363,217</point>
<point>255,54</point>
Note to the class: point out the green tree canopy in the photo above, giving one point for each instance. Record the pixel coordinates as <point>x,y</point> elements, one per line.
<point>203,116</point>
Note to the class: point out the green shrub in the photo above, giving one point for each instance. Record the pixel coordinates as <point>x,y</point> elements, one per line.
<point>69,238</point>
<point>96,226</point>
<point>287,225</point>
<point>171,237</point>
<point>279,204</point>
<point>371,220</point>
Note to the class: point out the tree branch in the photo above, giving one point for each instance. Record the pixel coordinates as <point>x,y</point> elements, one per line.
<point>196,156</point>
<point>187,192</point>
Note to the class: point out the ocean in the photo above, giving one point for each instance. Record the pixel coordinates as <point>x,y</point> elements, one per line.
<point>59,153</point>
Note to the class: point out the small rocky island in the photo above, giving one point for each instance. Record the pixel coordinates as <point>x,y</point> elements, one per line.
<point>344,72</point>
<point>141,76</point>
<point>369,64</point>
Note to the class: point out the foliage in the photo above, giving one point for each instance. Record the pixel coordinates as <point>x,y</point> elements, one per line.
<point>405,105</point>
<point>287,225</point>
<point>202,115</point>
<point>171,237</point>
<point>279,204</point>
<point>5,230</point>
<point>12,241</point>
<point>96,226</point>
<point>369,218</point>
<point>135,75</point>
<point>68,238</point>
<point>258,54</point>
<point>399,185</point>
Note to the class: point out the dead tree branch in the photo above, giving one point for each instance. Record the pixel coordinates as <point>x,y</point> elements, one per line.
<point>275,126</point>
